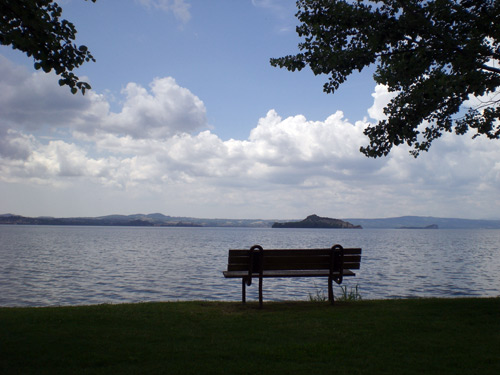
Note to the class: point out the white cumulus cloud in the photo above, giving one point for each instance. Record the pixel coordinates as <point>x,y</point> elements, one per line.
<point>166,110</point>
<point>382,96</point>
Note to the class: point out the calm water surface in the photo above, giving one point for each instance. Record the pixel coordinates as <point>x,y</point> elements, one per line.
<point>51,265</point>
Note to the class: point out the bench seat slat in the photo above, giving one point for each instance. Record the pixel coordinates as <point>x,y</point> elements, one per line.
<point>293,266</point>
<point>305,252</point>
<point>272,259</point>
<point>286,273</point>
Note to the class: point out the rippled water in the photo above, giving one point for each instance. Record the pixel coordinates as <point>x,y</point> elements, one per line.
<point>50,265</point>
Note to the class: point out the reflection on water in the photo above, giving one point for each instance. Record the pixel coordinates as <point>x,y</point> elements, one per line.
<point>50,265</point>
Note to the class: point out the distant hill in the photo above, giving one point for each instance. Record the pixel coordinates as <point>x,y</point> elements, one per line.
<point>160,220</point>
<point>315,221</point>
<point>425,221</point>
<point>156,219</point>
<point>432,226</point>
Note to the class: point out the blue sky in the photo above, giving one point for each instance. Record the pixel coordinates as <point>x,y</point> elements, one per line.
<point>187,117</point>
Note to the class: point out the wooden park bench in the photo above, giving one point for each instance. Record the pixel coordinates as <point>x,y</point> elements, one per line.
<point>335,263</point>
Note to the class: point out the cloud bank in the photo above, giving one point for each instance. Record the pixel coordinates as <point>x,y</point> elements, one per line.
<point>158,154</point>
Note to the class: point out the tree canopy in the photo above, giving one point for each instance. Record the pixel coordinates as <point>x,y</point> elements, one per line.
<point>35,27</point>
<point>435,54</point>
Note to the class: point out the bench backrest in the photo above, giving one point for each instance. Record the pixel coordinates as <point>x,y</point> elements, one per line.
<point>293,259</point>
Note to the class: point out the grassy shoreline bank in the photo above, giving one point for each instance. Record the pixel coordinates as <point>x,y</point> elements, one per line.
<point>431,336</point>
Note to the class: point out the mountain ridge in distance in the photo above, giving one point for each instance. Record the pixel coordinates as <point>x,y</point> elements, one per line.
<point>158,219</point>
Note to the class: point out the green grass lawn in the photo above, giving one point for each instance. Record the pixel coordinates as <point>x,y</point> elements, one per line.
<point>420,336</point>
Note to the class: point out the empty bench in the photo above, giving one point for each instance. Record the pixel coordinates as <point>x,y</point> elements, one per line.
<point>335,263</point>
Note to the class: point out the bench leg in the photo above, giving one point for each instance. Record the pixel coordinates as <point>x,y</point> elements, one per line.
<point>260,292</point>
<point>330,291</point>
<point>243,290</point>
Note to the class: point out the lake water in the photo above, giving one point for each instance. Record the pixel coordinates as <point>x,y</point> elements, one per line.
<point>52,265</point>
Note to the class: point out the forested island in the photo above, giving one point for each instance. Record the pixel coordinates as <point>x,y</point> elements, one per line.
<point>315,221</point>
<point>432,226</point>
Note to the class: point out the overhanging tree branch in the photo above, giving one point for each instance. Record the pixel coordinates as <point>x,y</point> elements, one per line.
<point>35,28</point>
<point>490,69</point>
<point>432,52</point>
